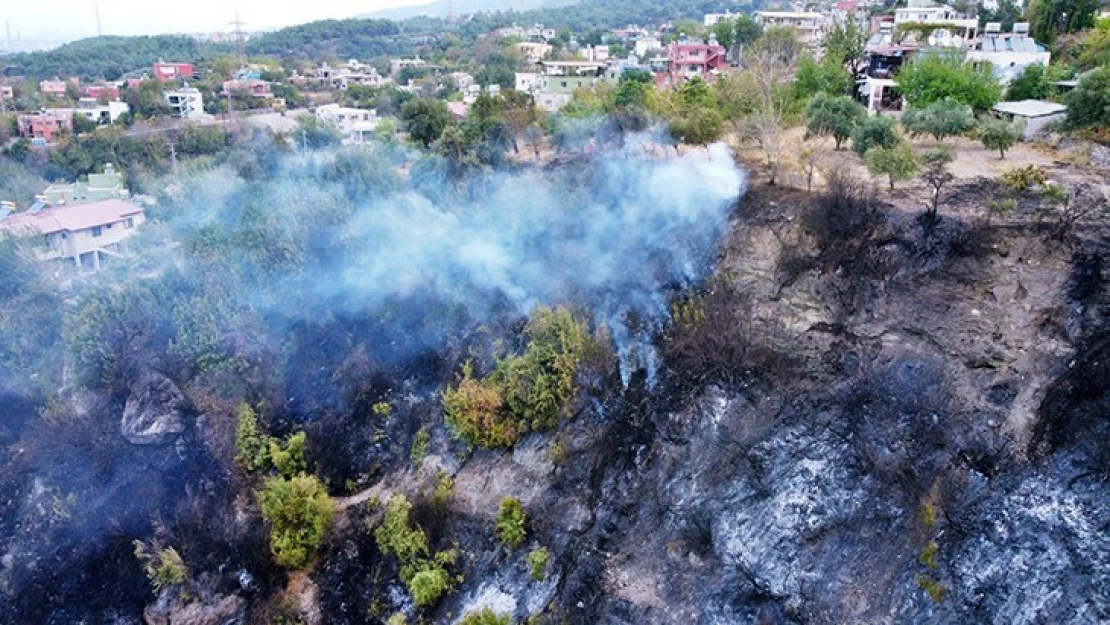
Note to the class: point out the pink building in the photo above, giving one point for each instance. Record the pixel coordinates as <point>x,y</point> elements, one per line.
<point>687,59</point>
<point>165,72</point>
<point>98,91</point>
<point>45,125</point>
<point>55,87</point>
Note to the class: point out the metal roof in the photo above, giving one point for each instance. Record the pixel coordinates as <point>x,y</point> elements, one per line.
<point>1030,108</point>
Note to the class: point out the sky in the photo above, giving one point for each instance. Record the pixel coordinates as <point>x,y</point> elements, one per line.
<point>44,22</point>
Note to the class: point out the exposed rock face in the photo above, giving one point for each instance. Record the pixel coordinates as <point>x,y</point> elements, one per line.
<point>171,609</point>
<point>154,412</point>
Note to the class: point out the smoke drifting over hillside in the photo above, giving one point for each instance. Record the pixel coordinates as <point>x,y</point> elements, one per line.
<point>612,235</point>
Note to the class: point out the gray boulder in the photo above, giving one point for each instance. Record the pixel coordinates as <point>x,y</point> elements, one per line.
<point>154,412</point>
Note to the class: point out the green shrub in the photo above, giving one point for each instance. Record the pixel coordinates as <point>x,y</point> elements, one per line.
<point>251,444</point>
<point>527,392</point>
<point>940,119</point>
<point>163,566</point>
<point>1023,178</point>
<point>486,617</point>
<point>510,523</point>
<point>288,457</point>
<point>396,536</point>
<point>427,578</point>
<point>934,588</point>
<point>538,560</point>
<point>929,555</point>
<point>419,447</point>
<point>299,511</point>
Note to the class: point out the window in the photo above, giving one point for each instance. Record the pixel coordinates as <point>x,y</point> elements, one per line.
<point>109,226</point>
<point>96,231</point>
<point>130,223</point>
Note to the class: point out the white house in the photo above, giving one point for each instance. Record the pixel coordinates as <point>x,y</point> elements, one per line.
<point>809,26</point>
<point>94,111</point>
<point>186,103</point>
<point>1009,53</point>
<point>647,44</point>
<point>356,125</point>
<point>957,33</point>
<point>527,82</point>
<point>712,19</point>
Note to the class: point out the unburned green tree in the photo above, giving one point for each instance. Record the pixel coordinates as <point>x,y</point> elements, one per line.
<point>299,511</point>
<point>424,119</point>
<point>835,116</point>
<point>896,163</point>
<point>872,132</point>
<point>998,134</point>
<point>940,119</point>
<point>510,523</point>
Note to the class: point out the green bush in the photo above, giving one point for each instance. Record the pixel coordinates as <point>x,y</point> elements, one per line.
<point>289,457</point>
<point>419,447</point>
<point>1089,102</point>
<point>299,511</point>
<point>538,559</point>
<point>526,393</point>
<point>427,578</point>
<point>251,444</point>
<point>486,617</point>
<point>510,523</point>
<point>163,566</point>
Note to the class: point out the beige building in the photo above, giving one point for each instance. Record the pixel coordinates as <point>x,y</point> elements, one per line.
<point>84,233</point>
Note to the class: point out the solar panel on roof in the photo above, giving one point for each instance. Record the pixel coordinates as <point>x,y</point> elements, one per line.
<point>36,207</point>
<point>4,212</point>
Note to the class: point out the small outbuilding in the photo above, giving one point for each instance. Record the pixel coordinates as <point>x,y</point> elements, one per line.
<point>1035,113</point>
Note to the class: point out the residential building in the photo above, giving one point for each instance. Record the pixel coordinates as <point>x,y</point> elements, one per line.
<point>353,72</point>
<point>97,188</point>
<point>809,26</point>
<point>462,80</point>
<point>356,125</point>
<point>646,45</point>
<point>56,87</point>
<point>186,103</point>
<point>1034,114</point>
<point>84,233</point>
<point>957,33</point>
<point>568,76</point>
<point>396,65</point>
<point>92,109</point>
<point>539,33</point>
<point>1009,53</point>
<point>689,58</point>
<point>595,53</point>
<point>165,72</point>
<point>527,82</point>
<point>45,125</point>
<point>99,91</point>
<point>712,19</point>
<point>6,92</point>
<point>532,51</point>
<point>250,87</point>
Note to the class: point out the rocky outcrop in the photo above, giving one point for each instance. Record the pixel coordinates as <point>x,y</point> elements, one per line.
<point>154,412</point>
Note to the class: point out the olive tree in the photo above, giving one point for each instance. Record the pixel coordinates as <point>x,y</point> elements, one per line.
<point>998,134</point>
<point>896,163</point>
<point>833,116</point>
<point>943,118</point>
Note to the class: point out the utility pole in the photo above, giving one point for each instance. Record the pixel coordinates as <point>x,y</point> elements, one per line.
<point>8,27</point>
<point>240,53</point>
<point>450,10</point>
<point>99,31</point>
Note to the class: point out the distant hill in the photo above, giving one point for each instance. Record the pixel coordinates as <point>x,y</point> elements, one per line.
<point>442,8</point>
<point>111,57</point>
<point>108,57</point>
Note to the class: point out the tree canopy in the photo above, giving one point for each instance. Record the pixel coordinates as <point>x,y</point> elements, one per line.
<point>933,77</point>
